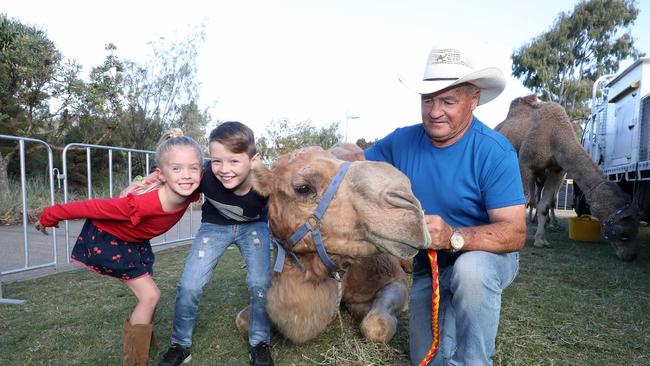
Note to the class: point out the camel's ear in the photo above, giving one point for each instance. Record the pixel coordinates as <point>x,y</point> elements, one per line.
<point>261,179</point>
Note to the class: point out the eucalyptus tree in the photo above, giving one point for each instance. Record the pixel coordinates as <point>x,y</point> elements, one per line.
<point>562,63</point>
<point>163,93</point>
<point>37,87</point>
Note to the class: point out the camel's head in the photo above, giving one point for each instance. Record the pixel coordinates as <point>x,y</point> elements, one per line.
<point>373,209</point>
<point>619,219</point>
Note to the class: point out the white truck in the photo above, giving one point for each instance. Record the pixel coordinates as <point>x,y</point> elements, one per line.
<point>617,134</point>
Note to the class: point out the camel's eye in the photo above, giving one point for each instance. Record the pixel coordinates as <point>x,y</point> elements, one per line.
<point>304,189</point>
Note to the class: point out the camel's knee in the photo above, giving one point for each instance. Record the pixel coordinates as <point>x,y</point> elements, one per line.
<point>242,319</point>
<point>358,310</point>
<point>379,327</point>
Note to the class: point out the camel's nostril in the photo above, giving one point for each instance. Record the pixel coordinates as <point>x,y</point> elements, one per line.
<point>399,199</point>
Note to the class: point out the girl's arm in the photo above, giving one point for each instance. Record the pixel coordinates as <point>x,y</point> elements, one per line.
<point>117,208</point>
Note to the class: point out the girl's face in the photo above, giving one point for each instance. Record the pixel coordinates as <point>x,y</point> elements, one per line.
<point>232,169</point>
<point>181,170</point>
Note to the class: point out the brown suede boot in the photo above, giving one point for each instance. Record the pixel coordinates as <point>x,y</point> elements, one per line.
<point>137,338</point>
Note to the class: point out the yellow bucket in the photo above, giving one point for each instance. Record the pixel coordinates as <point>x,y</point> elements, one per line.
<point>584,228</point>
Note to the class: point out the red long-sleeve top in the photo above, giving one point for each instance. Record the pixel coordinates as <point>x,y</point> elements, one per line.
<point>133,218</point>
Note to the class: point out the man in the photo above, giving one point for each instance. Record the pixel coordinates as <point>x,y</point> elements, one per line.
<point>467,178</point>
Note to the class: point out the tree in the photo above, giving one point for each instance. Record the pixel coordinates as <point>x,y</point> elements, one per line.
<point>562,64</point>
<point>283,136</point>
<point>35,86</point>
<point>163,93</point>
<point>363,144</point>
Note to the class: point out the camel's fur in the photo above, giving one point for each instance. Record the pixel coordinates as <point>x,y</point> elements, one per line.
<point>373,212</point>
<point>547,148</point>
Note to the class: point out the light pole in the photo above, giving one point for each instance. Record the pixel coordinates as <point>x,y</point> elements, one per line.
<point>347,118</point>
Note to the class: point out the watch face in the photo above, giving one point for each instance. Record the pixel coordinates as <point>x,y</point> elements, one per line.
<point>457,240</point>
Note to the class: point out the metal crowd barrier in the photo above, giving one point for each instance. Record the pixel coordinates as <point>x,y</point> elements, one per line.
<point>23,191</point>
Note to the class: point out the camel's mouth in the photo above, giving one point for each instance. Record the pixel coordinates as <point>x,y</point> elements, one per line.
<point>400,249</point>
<point>626,250</point>
<point>403,243</point>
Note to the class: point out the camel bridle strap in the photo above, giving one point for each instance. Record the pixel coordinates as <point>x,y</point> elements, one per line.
<point>608,224</point>
<point>312,225</point>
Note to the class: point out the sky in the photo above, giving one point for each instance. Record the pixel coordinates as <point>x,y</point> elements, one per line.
<point>320,61</point>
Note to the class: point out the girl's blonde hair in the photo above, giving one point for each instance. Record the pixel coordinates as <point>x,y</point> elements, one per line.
<point>167,142</point>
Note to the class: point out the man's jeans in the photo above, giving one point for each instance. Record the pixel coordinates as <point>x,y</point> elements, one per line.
<point>210,243</point>
<point>470,302</point>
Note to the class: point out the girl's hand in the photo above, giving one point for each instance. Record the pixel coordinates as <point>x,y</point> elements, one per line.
<point>40,227</point>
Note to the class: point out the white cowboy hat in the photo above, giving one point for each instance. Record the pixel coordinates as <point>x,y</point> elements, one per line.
<point>447,67</point>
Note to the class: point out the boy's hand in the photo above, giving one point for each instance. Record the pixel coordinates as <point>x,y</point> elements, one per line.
<point>141,184</point>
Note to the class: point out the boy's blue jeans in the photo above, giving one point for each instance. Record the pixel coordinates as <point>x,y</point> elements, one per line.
<point>470,303</point>
<point>210,243</point>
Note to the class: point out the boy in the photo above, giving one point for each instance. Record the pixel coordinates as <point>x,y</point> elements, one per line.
<point>232,213</point>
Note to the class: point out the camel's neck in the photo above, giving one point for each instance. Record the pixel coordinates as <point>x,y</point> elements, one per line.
<point>574,159</point>
<point>301,304</point>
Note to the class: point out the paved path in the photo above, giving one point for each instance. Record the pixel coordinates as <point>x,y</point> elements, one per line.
<point>40,248</point>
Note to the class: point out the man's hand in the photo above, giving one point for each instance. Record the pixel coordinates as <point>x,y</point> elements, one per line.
<point>440,232</point>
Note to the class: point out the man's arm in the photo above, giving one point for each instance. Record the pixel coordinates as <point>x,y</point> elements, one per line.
<point>505,233</point>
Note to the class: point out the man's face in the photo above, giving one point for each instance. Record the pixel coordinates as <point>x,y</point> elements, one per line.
<point>446,115</point>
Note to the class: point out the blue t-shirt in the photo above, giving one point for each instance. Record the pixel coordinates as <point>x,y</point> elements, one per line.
<point>460,182</point>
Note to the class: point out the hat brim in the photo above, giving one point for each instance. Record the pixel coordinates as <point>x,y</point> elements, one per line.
<point>490,80</point>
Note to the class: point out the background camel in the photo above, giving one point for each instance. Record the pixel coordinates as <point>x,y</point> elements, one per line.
<point>547,147</point>
<point>373,213</point>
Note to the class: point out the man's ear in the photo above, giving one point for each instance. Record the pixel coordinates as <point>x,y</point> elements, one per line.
<point>475,99</point>
<point>261,178</point>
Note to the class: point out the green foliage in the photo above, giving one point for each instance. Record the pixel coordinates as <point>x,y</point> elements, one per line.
<point>363,144</point>
<point>283,136</point>
<point>162,94</point>
<point>122,103</point>
<point>562,64</point>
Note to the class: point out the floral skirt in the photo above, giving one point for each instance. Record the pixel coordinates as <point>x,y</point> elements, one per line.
<point>106,254</point>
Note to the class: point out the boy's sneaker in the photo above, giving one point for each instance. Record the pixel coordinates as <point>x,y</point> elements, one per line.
<point>260,355</point>
<point>176,355</point>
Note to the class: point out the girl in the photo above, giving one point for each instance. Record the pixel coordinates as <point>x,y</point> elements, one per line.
<point>114,240</point>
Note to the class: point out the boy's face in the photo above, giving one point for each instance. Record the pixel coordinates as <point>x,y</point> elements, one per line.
<point>231,169</point>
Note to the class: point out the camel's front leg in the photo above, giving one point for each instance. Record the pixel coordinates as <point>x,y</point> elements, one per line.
<point>380,322</point>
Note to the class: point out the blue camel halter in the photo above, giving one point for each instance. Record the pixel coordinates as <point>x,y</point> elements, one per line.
<point>608,225</point>
<point>313,225</point>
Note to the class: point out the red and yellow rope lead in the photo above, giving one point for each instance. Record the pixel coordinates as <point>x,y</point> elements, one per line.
<point>435,305</point>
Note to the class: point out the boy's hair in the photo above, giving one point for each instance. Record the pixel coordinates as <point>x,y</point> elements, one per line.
<point>236,137</point>
<point>171,139</point>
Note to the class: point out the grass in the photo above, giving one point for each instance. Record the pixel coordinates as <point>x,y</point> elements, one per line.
<point>575,304</point>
